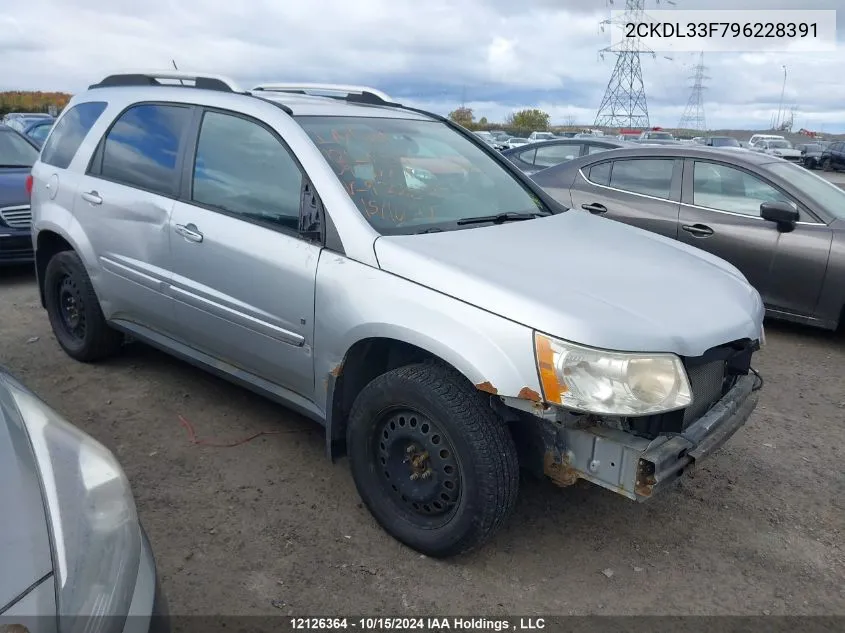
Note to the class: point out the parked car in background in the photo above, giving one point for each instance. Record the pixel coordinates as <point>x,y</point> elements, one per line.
<point>450,371</point>
<point>17,155</point>
<point>833,156</point>
<point>535,157</point>
<point>516,141</point>
<point>780,148</point>
<point>628,136</point>
<point>765,137</point>
<point>37,131</point>
<point>541,136</point>
<point>656,135</point>
<point>699,140</point>
<point>22,121</point>
<point>11,116</point>
<point>74,555</point>
<point>781,225</point>
<point>724,142</point>
<point>811,154</point>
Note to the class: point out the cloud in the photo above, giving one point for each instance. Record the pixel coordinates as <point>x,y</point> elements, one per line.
<point>496,55</point>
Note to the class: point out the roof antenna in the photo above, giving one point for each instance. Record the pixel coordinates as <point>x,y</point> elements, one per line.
<point>175,67</point>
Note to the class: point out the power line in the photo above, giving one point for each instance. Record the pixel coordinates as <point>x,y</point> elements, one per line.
<point>624,103</point>
<point>693,117</point>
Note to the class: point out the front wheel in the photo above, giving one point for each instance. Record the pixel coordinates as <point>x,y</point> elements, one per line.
<point>826,165</point>
<point>434,464</point>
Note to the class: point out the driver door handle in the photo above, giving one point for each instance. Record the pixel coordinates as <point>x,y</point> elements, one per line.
<point>698,230</point>
<point>595,207</point>
<point>189,231</point>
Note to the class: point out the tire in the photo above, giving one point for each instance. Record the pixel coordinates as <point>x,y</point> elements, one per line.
<point>473,473</point>
<point>74,310</point>
<point>826,165</point>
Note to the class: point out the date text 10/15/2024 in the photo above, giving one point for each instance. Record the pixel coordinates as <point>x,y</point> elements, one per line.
<point>418,624</point>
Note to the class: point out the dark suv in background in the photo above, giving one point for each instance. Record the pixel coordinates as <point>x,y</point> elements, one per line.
<point>833,157</point>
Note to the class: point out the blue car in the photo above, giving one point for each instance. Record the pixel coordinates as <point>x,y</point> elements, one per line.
<point>17,154</point>
<point>37,130</point>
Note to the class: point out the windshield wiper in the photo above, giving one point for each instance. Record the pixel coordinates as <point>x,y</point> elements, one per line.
<point>431,229</point>
<point>9,166</point>
<point>500,218</point>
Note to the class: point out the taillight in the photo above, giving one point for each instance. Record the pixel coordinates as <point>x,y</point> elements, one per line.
<point>28,184</point>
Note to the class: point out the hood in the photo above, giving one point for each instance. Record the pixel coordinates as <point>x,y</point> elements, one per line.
<point>13,186</point>
<point>586,279</point>
<point>24,540</point>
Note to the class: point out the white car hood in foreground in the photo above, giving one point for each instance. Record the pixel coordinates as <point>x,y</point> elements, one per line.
<point>586,279</point>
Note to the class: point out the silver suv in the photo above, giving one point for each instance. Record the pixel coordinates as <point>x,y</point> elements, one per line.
<point>387,273</point>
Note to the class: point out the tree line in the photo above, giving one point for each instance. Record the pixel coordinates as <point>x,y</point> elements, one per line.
<point>28,101</point>
<point>520,123</point>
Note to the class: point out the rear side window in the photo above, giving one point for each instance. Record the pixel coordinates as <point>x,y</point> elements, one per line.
<point>527,156</point>
<point>69,133</point>
<point>651,177</point>
<point>142,147</point>
<point>600,174</point>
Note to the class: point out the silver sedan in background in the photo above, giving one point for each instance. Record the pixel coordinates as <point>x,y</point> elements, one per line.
<point>74,556</point>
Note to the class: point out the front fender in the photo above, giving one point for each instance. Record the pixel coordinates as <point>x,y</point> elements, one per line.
<point>354,302</point>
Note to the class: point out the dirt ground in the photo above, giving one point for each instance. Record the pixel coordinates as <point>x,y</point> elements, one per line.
<point>272,527</point>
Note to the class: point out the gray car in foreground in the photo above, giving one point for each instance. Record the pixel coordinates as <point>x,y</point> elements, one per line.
<point>73,556</point>
<point>781,225</point>
<point>390,275</point>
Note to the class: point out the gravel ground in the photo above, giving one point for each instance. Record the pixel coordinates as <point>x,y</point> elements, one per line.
<point>272,527</point>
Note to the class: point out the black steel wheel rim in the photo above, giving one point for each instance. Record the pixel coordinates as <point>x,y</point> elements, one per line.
<point>71,308</point>
<point>418,467</point>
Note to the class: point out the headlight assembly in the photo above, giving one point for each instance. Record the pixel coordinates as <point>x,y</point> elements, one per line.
<point>95,532</point>
<point>611,383</point>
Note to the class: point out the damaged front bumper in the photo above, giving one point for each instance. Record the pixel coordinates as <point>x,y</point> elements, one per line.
<point>637,467</point>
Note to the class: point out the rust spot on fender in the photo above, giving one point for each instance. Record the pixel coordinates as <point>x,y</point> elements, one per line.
<point>527,393</point>
<point>561,474</point>
<point>337,369</point>
<point>487,386</point>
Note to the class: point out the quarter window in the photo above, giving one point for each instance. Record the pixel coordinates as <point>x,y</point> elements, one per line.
<point>142,147</point>
<point>651,177</point>
<point>69,132</point>
<point>728,189</point>
<point>243,169</point>
<point>600,174</point>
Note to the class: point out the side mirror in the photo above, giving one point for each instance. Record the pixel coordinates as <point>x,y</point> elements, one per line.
<point>784,214</point>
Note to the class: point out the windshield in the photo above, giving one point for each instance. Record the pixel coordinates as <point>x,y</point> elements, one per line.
<point>16,151</point>
<point>39,132</point>
<point>826,194</point>
<point>407,175</point>
<point>543,135</point>
<point>725,141</point>
<point>780,145</point>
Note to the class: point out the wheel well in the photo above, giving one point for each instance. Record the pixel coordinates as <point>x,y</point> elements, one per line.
<point>364,361</point>
<point>46,247</point>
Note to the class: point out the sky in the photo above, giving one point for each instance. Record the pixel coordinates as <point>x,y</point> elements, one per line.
<point>495,56</point>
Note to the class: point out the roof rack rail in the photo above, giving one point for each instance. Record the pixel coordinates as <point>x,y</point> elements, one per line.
<point>342,91</point>
<point>203,81</point>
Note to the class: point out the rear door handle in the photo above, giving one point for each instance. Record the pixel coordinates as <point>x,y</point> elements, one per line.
<point>698,230</point>
<point>189,231</point>
<point>92,196</point>
<point>595,207</point>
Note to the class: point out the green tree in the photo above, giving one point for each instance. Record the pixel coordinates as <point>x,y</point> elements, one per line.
<point>532,119</point>
<point>483,121</point>
<point>462,116</point>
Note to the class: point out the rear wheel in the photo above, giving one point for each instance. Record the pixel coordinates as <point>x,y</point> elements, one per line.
<point>434,464</point>
<point>74,310</point>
